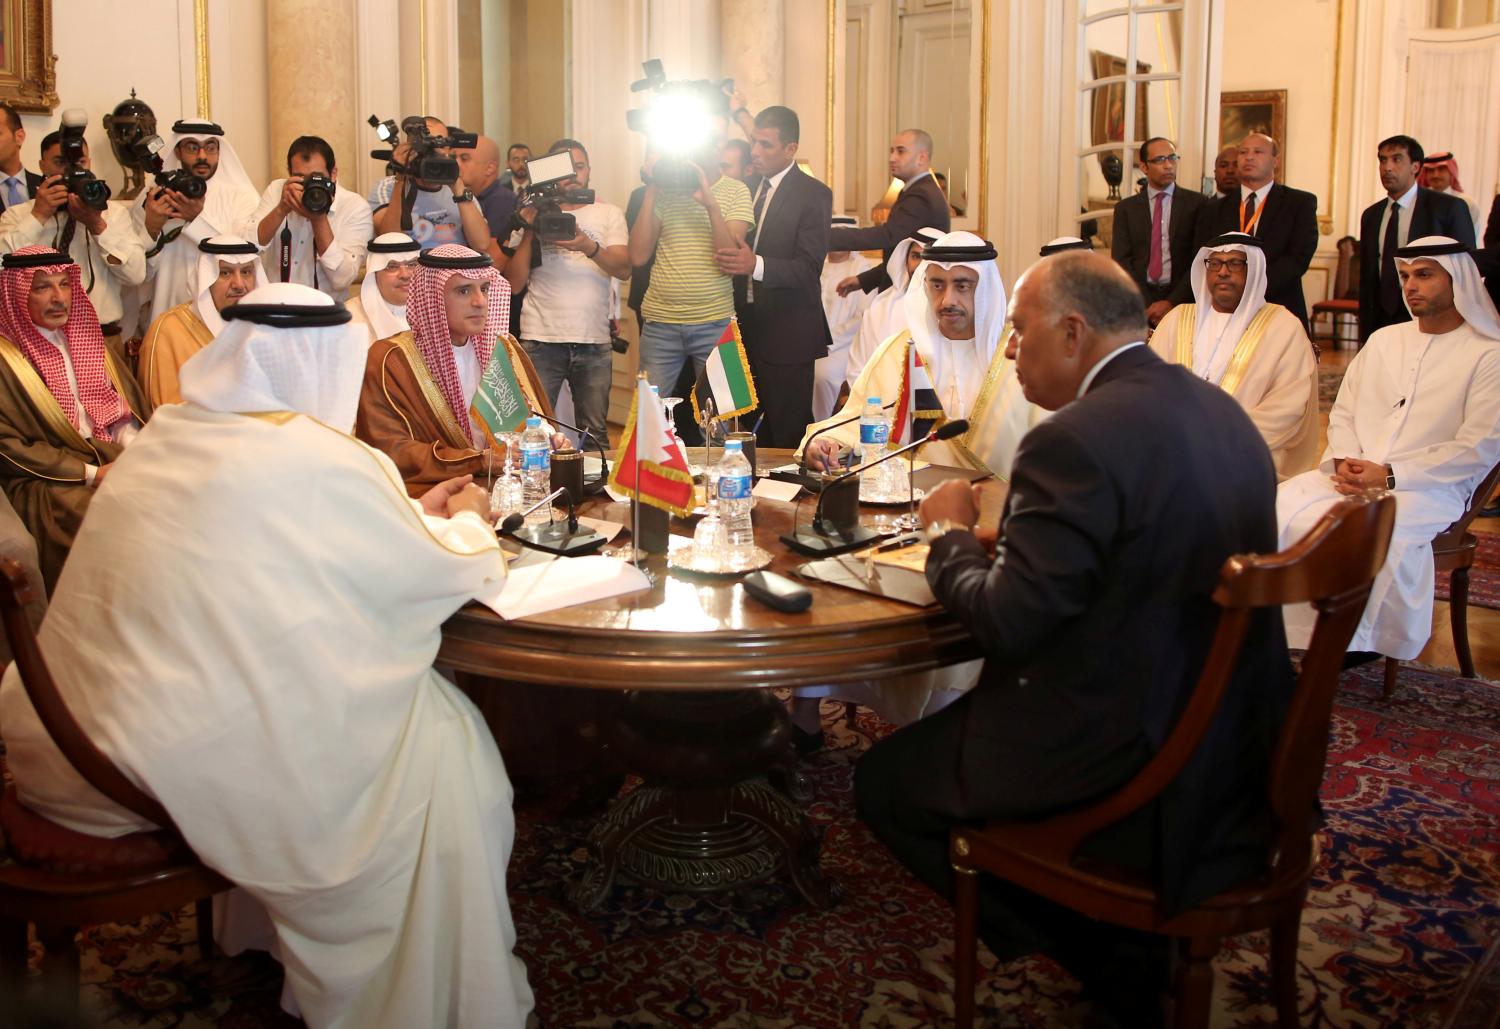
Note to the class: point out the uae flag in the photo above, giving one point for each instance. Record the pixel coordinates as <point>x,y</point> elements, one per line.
<point>650,460</point>
<point>726,377</point>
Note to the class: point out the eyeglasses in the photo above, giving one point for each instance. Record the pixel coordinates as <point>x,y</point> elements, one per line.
<point>1164,159</point>
<point>1213,264</point>
<point>192,146</point>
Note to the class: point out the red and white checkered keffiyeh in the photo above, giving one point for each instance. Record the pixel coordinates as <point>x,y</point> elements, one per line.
<point>105,407</point>
<point>427,314</point>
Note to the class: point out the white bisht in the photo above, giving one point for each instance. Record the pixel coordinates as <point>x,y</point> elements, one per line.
<point>1428,406</point>
<point>1258,353</point>
<point>886,316</point>
<point>246,626</point>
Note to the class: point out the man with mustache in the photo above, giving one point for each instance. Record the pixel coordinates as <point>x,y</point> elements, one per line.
<point>389,269</point>
<point>175,223</point>
<point>228,268</point>
<point>1251,349</point>
<point>1410,211</point>
<point>68,404</point>
<point>1418,413</point>
<point>105,243</point>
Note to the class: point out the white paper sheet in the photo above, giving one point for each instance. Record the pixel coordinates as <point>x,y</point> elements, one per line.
<point>776,489</point>
<point>562,582</point>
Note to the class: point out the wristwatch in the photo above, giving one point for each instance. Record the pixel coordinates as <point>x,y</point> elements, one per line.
<point>467,194</point>
<point>1390,477</point>
<point>942,527</point>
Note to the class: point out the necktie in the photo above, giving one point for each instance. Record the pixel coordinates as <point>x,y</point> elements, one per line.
<point>1390,284</point>
<point>1153,264</point>
<point>1249,212</point>
<point>14,193</point>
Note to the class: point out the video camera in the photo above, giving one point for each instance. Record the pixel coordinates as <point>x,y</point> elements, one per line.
<point>545,192</point>
<point>678,122</point>
<point>424,163</point>
<point>85,185</point>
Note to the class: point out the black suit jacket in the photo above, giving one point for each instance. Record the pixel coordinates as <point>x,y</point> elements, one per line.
<point>1131,245</point>
<point>786,324</point>
<point>33,180</point>
<point>921,205</point>
<point>1432,214</point>
<point>1097,615</point>
<point>1288,232</point>
<point>1492,227</point>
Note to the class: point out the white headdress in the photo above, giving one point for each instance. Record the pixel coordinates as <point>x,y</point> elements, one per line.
<point>211,251</point>
<point>885,312</point>
<point>386,319</point>
<point>285,347</point>
<point>1469,295</point>
<point>956,366</point>
<point>1251,301</point>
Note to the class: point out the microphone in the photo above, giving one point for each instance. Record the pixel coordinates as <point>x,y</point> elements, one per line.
<point>842,421</point>
<point>597,485</point>
<point>554,537</point>
<point>807,480</point>
<point>846,533</point>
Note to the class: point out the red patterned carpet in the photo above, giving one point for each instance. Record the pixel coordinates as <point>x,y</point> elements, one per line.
<point>1484,577</point>
<point>1401,928</point>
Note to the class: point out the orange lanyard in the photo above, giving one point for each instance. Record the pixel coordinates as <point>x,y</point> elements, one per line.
<point>1250,227</point>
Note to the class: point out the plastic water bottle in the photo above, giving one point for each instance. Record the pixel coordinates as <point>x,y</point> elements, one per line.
<point>536,469</point>
<point>874,431</point>
<point>736,500</point>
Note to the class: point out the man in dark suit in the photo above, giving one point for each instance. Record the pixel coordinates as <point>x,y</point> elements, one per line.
<point>1285,220</point>
<point>1156,230</point>
<point>781,261</point>
<point>1095,617</point>
<point>1410,211</point>
<point>921,205</point>
<point>17,185</point>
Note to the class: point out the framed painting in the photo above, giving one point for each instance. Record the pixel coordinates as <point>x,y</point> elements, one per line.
<point>1261,110</point>
<point>1107,113</point>
<point>28,67</point>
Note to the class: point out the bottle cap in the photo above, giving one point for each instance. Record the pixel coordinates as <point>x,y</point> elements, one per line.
<point>534,421</point>
<point>872,400</point>
<point>735,445</point>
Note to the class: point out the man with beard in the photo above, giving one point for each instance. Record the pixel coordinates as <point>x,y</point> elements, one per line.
<point>228,268</point>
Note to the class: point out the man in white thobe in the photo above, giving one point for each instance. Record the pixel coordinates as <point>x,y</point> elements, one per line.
<point>886,314</point>
<point>1255,351</point>
<point>389,268</point>
<point>844,315</point>
<point>174,224</point>
<point>1418,413</point>
<point>251,642</point>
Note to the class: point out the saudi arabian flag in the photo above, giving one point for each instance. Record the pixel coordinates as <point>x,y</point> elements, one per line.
<point>727,377</point>
<point>499,403</point>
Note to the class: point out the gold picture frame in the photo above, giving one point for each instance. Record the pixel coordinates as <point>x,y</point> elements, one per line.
<point>1107,111</point>
<point>1259,110</point>
<point>28,67</point>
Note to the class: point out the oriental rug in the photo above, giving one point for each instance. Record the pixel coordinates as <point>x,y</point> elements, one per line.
<point>1484,577</point>
<point>1401,927</point>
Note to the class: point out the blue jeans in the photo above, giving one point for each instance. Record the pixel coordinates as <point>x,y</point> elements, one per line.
<point>587,369</point>
<point>665,347</point>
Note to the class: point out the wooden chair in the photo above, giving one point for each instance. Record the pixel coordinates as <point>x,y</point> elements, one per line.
<point>1333,567</point>
<point>60,879</point>
<point>1453,550</point>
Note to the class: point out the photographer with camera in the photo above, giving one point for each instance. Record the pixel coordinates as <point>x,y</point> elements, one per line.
<point>73,214</point>
<point>684,219</point>
<point>310,231</point>
<point>201,191</point>
<point>565,326</point>
<point>434,211</point>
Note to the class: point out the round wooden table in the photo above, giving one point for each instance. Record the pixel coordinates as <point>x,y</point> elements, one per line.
<point>698,657</point>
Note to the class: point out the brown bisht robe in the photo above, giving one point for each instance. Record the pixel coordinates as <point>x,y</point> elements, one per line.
<point>173,338</point>
<point>42,455</point>
<point>402,413</point>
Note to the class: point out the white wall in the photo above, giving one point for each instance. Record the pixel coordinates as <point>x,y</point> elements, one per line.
<point>105,50</point>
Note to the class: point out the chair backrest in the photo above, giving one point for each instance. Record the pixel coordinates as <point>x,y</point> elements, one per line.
<point>1454,534</point>
<point>1332,567</point>
<point>90,762</point>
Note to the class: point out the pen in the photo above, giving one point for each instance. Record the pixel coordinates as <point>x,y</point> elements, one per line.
<point>755,430</point>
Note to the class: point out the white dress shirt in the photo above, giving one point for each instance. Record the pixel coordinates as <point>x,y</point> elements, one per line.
<point>335,268</point>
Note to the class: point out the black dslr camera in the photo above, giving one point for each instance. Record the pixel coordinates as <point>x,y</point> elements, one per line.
<point>317,193</point>
<point>424,163</point>
<point>545,192</point>
<point>82,183</point>
<point>182,181</point>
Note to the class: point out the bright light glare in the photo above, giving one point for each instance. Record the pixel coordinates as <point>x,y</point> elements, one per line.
<point>679,123</point>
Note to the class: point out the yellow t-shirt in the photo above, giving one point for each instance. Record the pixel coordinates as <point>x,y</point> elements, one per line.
<point>686,286</point>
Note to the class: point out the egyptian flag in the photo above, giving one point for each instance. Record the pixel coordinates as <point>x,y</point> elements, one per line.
<point>919,401</point>
<point>650,458</point>
<point>726,377</point>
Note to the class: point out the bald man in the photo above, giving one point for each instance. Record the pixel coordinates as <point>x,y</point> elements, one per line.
<point>921,204</point>
<point>1285,220</point>
<point>479,170</point>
